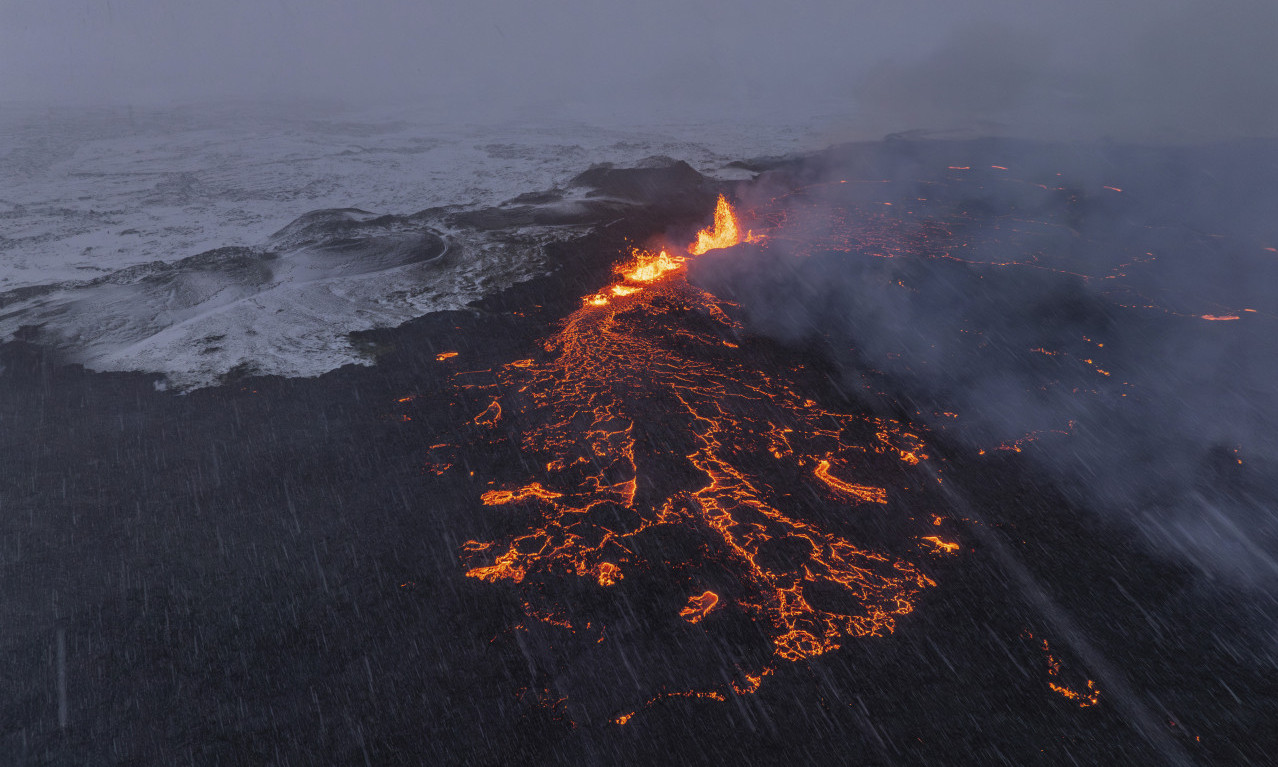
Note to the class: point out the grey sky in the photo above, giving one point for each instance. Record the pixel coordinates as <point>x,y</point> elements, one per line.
<point>1127,68</point>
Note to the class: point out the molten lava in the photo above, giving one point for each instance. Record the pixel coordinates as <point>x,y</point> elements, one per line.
<point>699,606</point>
<point>724,233</point>
<point>647,267</point>
<point>940,545</point>
<point>861,492</point>
<point>1083,698</point>
<point>648,425</point>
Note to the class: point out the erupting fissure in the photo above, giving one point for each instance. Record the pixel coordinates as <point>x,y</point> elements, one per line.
<point>646,422</point>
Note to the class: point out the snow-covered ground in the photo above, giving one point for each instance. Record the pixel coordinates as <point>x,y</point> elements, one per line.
<point>101,212</point>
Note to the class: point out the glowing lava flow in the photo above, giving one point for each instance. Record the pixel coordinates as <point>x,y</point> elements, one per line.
<point>646,424</point>
<point>1083,698</point>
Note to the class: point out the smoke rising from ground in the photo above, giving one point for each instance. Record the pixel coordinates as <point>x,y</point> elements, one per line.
<point>1051,312</point>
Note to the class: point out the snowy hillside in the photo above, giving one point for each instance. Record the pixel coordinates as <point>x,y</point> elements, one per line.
<point>160,241</point>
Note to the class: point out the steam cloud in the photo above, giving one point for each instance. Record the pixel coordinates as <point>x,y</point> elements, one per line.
<point>1179,439</point>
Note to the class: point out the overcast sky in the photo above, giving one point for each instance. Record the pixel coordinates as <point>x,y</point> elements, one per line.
<point>1126,68</point>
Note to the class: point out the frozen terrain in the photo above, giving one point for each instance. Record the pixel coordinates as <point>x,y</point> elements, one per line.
<point>158,241</point>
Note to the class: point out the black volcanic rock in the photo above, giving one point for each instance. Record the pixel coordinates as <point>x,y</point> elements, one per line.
<point>659,184</point>
<point>656,181</point>
<point>324,224</point>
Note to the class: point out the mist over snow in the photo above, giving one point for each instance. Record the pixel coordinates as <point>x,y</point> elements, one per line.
<point>151,238</point>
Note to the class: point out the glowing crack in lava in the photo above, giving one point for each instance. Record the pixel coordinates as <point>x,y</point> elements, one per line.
<point>644,423</point>
<point>1084,698</point>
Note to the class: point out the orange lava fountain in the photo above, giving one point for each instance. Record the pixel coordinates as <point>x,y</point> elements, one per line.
<point>722,235</point>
